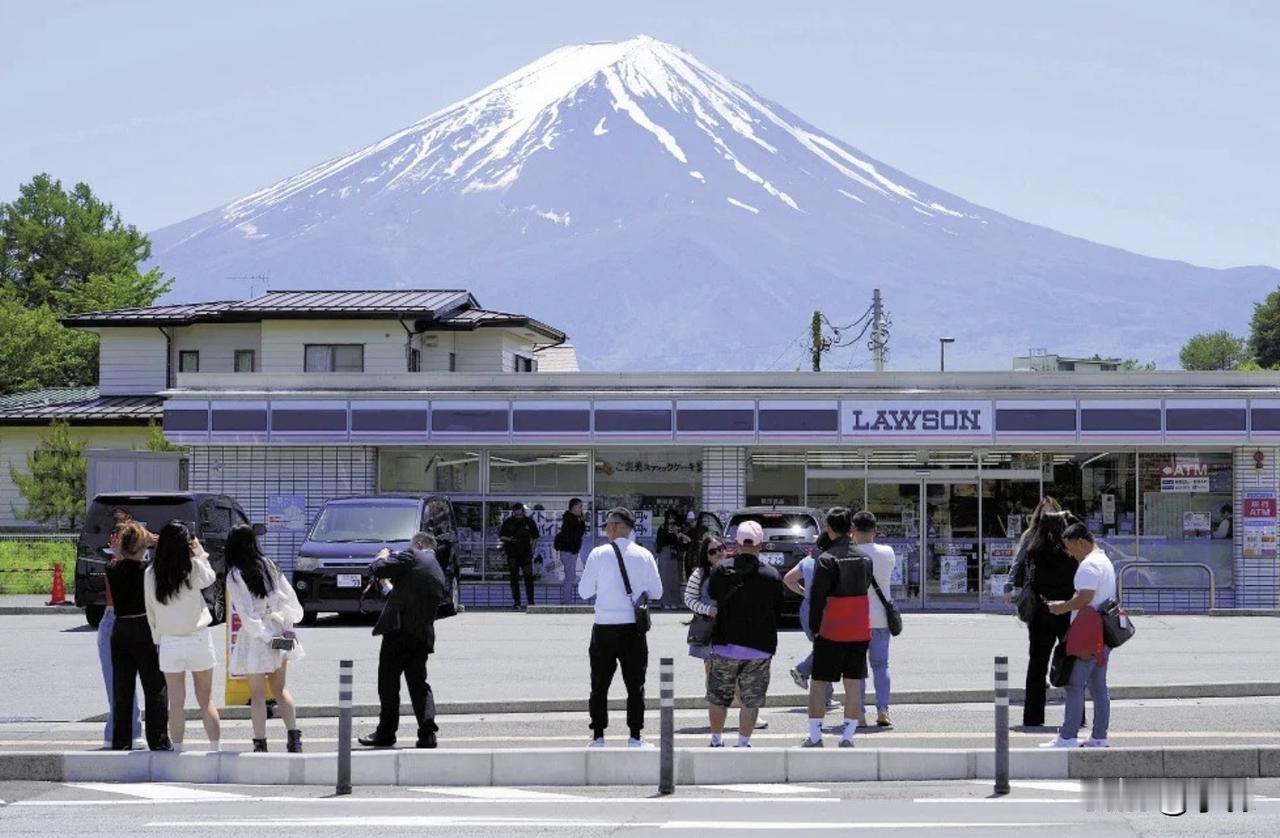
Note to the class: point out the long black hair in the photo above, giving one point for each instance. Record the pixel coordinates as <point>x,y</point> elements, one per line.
<point>1046,536</point>
<point>704,560</point>
<point>171,562</point>
<point>244,554</point>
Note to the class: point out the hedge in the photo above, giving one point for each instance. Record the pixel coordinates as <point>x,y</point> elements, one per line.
<point>26,567</point>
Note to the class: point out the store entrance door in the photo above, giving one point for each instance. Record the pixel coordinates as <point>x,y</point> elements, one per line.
<point>931,522</point>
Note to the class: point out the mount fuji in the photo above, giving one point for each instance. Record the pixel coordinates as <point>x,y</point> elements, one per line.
<point>668,217</point>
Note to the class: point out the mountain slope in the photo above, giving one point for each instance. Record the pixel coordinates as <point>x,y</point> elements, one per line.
<point>668,217</point>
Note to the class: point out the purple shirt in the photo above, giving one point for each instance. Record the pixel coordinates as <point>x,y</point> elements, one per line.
<point>739,653</point>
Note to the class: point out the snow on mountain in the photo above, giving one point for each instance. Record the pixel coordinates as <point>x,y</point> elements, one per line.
<point>668,217</point>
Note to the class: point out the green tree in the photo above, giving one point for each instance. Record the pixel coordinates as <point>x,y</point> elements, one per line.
<point>156,440</point>
<point>54,484</point>
<point>63,253</point>
<point>1134,365</point>
<point>1219,350</point>
<point>1264,331</point>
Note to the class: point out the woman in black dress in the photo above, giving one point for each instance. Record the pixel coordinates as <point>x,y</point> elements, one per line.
<point>1050,571</point>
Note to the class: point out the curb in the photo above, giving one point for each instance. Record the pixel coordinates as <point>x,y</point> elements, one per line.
<point>1244,689</point>
<point>32,610</point>
<point>624,766</point>
<point>1244,612</point>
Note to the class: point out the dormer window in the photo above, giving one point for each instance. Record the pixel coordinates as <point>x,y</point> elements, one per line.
<point>525,364</point>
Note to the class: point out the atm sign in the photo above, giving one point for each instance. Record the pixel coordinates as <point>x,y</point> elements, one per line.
<point>1259,507</point>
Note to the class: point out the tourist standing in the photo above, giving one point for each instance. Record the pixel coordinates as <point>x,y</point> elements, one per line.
<point>133,651</point>
<point>1095,587</point>
<point>800,580</point>
<point>1050,574</point>
<point>104,650</point>
<point>268,609</point>
<point>519,537</point>
<point>882,561</point>
<point>179,620</point>
<point>568,542</point>
<point>748,596</point>
<point>697,597</point>
<point>616,641</point>
<point>671,544</point>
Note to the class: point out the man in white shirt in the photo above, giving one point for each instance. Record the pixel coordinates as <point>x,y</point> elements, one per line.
<point>882,562</point>
<point>614,638</point>
<point>1095,583</point>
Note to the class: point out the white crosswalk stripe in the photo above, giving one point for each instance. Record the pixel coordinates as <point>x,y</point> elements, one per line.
<point>496,794</point>
<point>766,788</point>
<point>168,792</point>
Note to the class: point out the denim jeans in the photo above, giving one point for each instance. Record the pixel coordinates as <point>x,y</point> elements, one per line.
<point>569,588</point>
<point>1087,672</point>
<point>878,657</point>
<point>104,659</point>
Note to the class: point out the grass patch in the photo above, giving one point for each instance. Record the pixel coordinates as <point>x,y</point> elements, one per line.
<point>26,567</point>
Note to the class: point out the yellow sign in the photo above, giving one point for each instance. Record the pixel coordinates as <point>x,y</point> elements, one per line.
<point>237,689</point>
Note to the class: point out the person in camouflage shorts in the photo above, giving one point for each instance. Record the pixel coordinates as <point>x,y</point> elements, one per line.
<point>750,677</point>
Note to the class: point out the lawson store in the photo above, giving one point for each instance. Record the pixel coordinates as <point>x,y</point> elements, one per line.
<point>1177,472</point>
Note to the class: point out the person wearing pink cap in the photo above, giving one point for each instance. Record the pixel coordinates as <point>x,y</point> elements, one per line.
<point>748,596</point>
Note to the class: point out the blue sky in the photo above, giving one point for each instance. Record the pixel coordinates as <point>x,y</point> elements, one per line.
<point>1148,125</point>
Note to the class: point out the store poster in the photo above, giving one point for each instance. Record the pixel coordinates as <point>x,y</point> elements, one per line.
<point>644,523</point>
<point>286,513</point>
<point>953,574</point>
<point>236,690</point>
<point>1184,485</point>
<point>998,581</point>
<point>1258,533</point>
<point>1197,524</point>
<point>1109,509</point>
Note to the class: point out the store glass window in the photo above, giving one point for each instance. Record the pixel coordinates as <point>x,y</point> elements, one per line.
<point>648,481</point>
<point>444,470</point>
<point>1187,515</point>
<point>521,472</point>
<point>1010,493</point>
<point>836,478</point>
<point>1100,489</point>
<point>775,478</point>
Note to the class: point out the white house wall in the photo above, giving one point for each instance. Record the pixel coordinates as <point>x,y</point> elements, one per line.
<point>283,342</point>
<point>132,361</point>
<point>217,344</point>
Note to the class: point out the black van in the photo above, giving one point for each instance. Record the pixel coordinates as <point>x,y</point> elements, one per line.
<point>210,518</point>
<point>332,567</point>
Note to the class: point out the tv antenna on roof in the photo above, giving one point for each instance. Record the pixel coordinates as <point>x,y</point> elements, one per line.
<point>254,281</point>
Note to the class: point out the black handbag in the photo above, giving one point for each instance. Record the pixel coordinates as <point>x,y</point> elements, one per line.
<point>641,605</point>
<point>1060,666</point>
<point>1117,628</point>
<point>1026,603</point>
<point>892,615</point>
<point>701,628</point>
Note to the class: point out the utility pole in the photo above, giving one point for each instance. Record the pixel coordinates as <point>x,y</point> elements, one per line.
<point>879,330</point>
<point>817,341</point>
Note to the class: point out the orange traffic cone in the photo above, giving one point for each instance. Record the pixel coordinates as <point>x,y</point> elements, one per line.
<point>59,595</point>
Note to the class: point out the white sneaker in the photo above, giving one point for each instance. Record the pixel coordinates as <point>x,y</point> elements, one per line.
<point>598,742</point>
<point>1095,743</point>
<point>638,743</point>
<point>1059,742</point>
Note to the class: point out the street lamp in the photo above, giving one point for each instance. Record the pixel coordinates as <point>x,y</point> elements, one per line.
<point>942,353</point>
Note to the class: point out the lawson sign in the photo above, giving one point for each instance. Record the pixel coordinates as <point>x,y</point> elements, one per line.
<point>943,419</point>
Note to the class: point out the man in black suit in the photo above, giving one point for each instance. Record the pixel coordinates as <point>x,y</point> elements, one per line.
<point>415,587</point>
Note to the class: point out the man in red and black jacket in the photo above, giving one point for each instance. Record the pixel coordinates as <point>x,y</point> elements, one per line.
<point>840,619</point>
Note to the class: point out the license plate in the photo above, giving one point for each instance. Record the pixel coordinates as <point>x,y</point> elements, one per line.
<point>775,559</point>
<point>350,580</point>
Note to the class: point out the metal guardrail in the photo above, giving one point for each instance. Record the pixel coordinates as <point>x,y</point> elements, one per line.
<point>1146,565</point>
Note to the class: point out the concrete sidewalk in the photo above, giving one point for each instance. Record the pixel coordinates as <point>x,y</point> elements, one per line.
<point>638,766</point>
<point>511,660</point>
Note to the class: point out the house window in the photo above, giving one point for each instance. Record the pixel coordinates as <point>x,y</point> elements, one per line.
<point>244,360</point>
<point>333,357</point>
<point>188,361</point>
<point>524,364</point>
<point>415,360</point>
<point>453,362</point>
<point>1066,366</point>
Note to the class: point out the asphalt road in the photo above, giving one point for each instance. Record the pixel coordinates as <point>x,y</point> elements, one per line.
<point>51,670</point>
<point>926,809</point>
<point>1150,722</point>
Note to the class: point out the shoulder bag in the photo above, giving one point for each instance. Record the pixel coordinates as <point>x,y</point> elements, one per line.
<point>641,605</point>
<point>1026,603</point>
<point>892,615</point>
<point>1117,628</point>
<point>1060,665</point>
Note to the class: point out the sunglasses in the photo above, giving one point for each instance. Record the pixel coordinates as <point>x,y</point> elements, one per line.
<point>711,551</point>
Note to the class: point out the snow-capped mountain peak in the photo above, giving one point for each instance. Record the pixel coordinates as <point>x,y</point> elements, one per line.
<point>634,173</point>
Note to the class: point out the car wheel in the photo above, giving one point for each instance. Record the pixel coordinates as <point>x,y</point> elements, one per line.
<point>308,618</point>
<point>93,614</point>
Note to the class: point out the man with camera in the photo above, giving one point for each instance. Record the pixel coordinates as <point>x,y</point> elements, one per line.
<point>414,585</point>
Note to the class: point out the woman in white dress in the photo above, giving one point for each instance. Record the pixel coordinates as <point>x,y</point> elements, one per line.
<point>267,607</point>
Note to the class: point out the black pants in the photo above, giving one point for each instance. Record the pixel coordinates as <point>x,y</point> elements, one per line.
<point>518,566</point>
<point>134,657</point>
<point>402,654</point>
<point>612,646</point>
<point>1045,630</point>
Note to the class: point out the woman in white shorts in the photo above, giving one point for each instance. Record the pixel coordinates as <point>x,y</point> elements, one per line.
<point>268,609</point>
<point>179,622</point>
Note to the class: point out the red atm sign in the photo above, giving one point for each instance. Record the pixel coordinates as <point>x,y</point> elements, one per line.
<point>1259,507</point>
